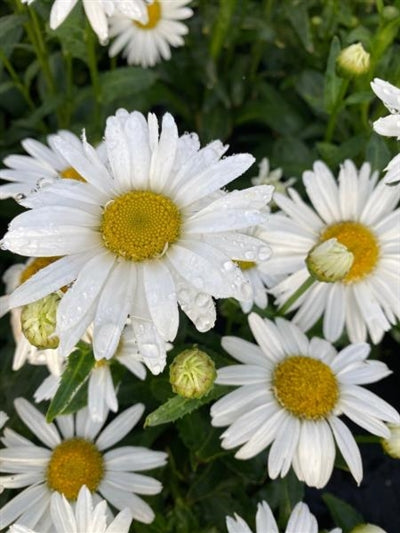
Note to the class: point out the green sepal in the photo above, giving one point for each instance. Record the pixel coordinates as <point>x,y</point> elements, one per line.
<point>177,407</point>
<point>68,397</point>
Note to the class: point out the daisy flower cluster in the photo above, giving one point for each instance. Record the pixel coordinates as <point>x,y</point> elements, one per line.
<point>188,326</point>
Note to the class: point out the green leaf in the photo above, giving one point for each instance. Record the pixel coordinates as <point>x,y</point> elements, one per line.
<point>75,375</point>
<point>377,152</point>
<point>297,14</point>
<point>343,514</point>
<point>333,83</point>
<point>71,35</point>
<point>221,28</point>
<point>10,31</point>
<point>177,407</point>
<point>125,81</point>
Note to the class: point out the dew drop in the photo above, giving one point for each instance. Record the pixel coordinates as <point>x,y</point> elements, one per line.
<point>250,256</point>
<point>228,265</point>
<point>264,253</point>
<point>19,197</point>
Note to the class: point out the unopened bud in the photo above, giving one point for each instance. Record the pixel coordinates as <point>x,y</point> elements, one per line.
<point>192,373</point>
<point>392,444</point>
<point>329,261</point>
<point>38,322</point>
<point>367,528</point>
<point>353,61</point>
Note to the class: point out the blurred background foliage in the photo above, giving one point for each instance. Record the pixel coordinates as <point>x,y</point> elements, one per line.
<point>260,75</point>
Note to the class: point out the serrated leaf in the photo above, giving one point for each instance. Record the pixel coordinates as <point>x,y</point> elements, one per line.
<point>75,375</point>
<point>343,514</point>
<point>177,407</point>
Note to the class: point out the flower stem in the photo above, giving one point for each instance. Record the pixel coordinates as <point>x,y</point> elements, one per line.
<point>335,111</point>
<point>299,292</point>
<point>18,84</point>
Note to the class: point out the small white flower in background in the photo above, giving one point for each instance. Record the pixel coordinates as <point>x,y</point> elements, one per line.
<point>362,215</point>
<point>271,177</point>
<point>390,96</point>
<point>43,165</point>
<point>74,454</point>
<point>391,445</point>
<point>301,520</point>
<point>353,61</point>
<point>177,250</point>
<point>148,43</point>
<point>83,517</point>
<point>102,394</point>
<point>98,12</point>
<point>293,402</point>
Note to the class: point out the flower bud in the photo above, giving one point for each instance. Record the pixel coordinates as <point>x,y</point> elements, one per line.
<point>392,445</point>
<point>192,373</point>
<point>329,261</point>
<point>367,528</point>
<point>353,61</point>
<point>38,322</point>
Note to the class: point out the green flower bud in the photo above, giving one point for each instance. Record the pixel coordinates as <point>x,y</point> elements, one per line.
<point>367,528</point>
<point>192,373</point>
<point>392,445</point>
<point>38,322</point>
<point>353,61</point>
<point>329,261</point>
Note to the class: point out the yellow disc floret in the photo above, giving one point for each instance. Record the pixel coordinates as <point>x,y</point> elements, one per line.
<point>244,265</point>
<point>140,225</point>
<point>361,242</point>
<point>306,387</point>
<point>71,174</point>
<point>154,15</point>
<point>74,463</point>
<point>34,266</point>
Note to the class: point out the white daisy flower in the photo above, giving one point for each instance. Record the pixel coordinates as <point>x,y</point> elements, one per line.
<point>292,392</point>
<point>301,520</point>
<point>257,274</point>
<point>361,216</point>
<point>390,96</point>
<point>98,12</point>
<point>146,44</point>
<point>74,454</point>
<point>82,517</point>
<point>176,249</point>
<point>42,166</point>
<point>102,394</point>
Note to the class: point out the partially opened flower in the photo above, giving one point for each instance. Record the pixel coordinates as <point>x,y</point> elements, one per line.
<point>362,216</point>
<point>148,230</point>
<point>292,392</point>
<point>43,165</point>
<point>147,43</point>
<point>98,12</point>
<point>74,454</point>
<point>83,517</point>
<point>301,520</point>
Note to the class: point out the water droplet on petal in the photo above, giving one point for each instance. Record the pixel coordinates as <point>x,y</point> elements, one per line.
<point>250,255</point>
<point>228,265</point>
<point>264,253</point>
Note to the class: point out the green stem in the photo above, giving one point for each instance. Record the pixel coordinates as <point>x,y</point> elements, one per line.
<point>94,74</point>
<point>299,292</point>
<point>14,76</point>
<point>221,27</point>
<point>42,52</point>
<point>333,116</point>
<point>259,46</point>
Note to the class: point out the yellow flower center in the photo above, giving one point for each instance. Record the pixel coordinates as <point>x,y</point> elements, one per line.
<point>154,15</point>
<point>140,225</point>
<point>244,265</point>
<point>306,387</point>
<point>71,174</point>
<point>361,242</point>
<point>34,266</point>
<point>74,463</point>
